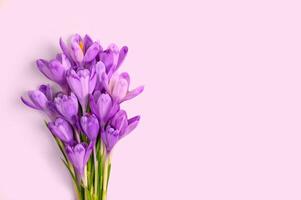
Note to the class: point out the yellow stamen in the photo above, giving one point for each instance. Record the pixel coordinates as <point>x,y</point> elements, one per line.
<point>81,45</point>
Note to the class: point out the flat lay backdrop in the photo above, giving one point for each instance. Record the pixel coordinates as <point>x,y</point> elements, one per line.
<point>221,111</point>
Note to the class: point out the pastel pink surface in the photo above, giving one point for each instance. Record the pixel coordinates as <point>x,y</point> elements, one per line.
<point>221,109</point>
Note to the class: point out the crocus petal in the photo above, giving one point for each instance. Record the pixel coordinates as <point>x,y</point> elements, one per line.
<point>77,53</point>
<point>62,58</point>
<point>120,89</point>
<point>122,54</point>
<point>43,67</point>
<point>91,52</point>
<point>92,80</point>
<point>29,104</point>
<point>115,108</point>
<point>102,80</point>
<point>87,42</point>
<point>133,93</point>
<point>74,82</point>
<point>126,76</point>
<point>120,122</point>
<point>88,152</point>
<point>132,124</point>
<point>65,49</point>
<point>77,48</point>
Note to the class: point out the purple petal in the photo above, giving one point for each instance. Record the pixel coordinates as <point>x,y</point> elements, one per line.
<point>133,93</point>
<point>29,104</point>
<point>65,49</point>
<point>122,54</point>
<point>125,76</point>
<point>115,108</point>
<point>87,42</point>
<point>91,52</point>
<point>43,66</point>
<point>89,150</point>
<point>93,105</point>
<point>92,80</point>
<point>38,98</point>
<point>132,124</point>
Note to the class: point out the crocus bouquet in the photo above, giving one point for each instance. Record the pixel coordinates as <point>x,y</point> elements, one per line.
<point>85,117</point>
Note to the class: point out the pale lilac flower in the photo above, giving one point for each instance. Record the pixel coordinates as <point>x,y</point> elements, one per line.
<point>119,87</point>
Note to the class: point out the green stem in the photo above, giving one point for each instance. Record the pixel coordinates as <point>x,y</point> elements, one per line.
<point>96,171</point>
<point>107,165</point>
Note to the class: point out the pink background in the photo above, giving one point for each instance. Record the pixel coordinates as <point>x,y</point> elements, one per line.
<point>221,110</point>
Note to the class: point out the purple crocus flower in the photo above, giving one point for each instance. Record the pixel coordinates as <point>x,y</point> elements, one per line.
<point>41,99</point>
<point>81,50</point>
<point>67,106</point>
<point>61,129</point>
<point>112,57</point>
<point>118,127</point>
<point>79,156</point>
<point>90,126</point>
<point>103,106</point>
<point>119,87</point>
<point>55,69</point>
<point>82,83</point>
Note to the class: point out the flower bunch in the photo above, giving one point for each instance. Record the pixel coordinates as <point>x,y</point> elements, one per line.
<point>85,116</point>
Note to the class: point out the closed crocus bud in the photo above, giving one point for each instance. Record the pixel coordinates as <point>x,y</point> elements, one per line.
<point>82,83</point>
<point>67,106</point>
<point>90,126</point>
<point>118,127</point>
<point>41,99</point>
<point>119,87</point>
<point>38,99</point>
<point>62,130</point>
<point>102,106</point>
<point>55,69</point>
<point>79,156</point>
